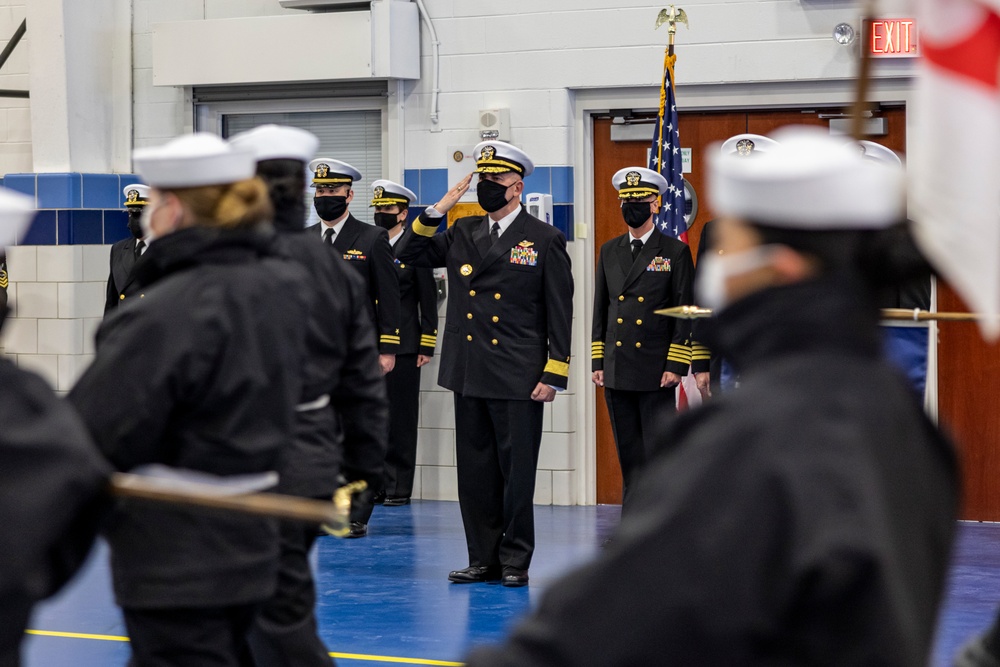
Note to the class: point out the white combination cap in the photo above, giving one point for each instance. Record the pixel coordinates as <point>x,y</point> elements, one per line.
<point>277,142</point>
<point>387,193</point>
<point>16,213</point>
<point>878,152</point>
<point>136,194</point>
<point>638,183</point>
<point>499,157</point>
<point>810,181</point>
<point>192,161</point>
<point>745,145</point>
<point>327,171</point>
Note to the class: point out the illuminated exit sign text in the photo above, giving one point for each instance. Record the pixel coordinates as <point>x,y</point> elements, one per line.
<point>893,38</point>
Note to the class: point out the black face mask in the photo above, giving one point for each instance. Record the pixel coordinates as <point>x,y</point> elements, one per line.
<point>636,213</point>
<point>134,214</point>
<point>330,208</point>
<point>386,220</point>
<point>492,195</point>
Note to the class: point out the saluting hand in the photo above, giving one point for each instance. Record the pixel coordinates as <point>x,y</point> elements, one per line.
<point>543,393</point>
<point>452,196</point>
<point>670,380</point>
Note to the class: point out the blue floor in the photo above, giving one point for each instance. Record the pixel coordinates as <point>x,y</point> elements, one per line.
<point>385,599</point>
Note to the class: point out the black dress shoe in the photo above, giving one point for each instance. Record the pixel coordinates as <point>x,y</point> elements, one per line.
<point>396,501</point>
<point>378,498</point>
<point>358,529</point>
<point>514,577</point>
<point>474,574</point>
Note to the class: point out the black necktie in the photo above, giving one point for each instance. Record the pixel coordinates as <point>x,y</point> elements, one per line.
<point>328,236</point>
<point>636,248</point>
<point>495,232</point>
<point>138,248</point>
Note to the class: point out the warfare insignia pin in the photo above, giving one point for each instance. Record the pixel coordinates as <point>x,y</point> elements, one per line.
<point>744,147</point>
<point>133,195</point>
<point>322,170</point>
<point>488,153</point>
<point>466,270</point>
<point>526,244</point>
<point>379,191</point>
<point>633,178</point>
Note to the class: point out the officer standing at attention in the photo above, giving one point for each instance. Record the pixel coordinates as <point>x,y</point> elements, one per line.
<point>124,253</point>
<point>418,337</point>
<point>364,246</point>
<point>51,474</point>
<point>806,519</point>
<point>341,378</point>
<point>637,356</point>
<point>506,352</point>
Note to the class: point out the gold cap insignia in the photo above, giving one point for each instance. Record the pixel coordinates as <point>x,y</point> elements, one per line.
<point>133,195</point>
<point>466,270</point>
<point>488,153</point>
<point>632,178</point>
<point>744,147</point>
<point>322,170</point>
<point>379,191</point>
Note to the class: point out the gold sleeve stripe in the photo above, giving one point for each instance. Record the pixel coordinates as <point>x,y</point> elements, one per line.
<point>388,339</point>
<point>424,230</point>
<point>700,352</point>
<point>557,368</point>
<point>679,353</point>
<point>597,355</point>
<point>428,341</point>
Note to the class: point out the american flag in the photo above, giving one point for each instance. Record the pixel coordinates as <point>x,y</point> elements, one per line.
<point>665,158</point>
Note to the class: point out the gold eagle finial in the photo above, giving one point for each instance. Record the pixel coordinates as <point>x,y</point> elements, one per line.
<point>672,15</point>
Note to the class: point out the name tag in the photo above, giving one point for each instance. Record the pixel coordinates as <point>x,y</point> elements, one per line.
<point>523,256</point>
<point>659,264</point>
<point>356,255</point>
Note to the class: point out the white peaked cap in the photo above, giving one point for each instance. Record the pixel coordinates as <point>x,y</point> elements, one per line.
<point>194,160</point>
<point>748,144</point>
<point>498,157</point>
<point>16,213</point>
<point>874,151</point>
<point>387,193</point>
<point>141,194</point>
<point>277,142</point>
<point>810,181</point>
<point>638,183</point>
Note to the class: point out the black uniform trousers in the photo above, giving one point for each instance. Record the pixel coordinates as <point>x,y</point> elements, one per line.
<point>403,388</point>
<point>639,422</point>
<point>14,617</point>
<point>190,637</point>
<point>497,454</point>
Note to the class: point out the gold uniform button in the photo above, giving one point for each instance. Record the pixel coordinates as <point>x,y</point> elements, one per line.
<point>121,298</point>
<point>469,316</point>
<point>469,337</point>
<point>497,296</point>
<point>402,266</point>
<point>496,319</point>
<point>620,320</point>
<point>495,341</point>
<point>641,299</point>
<point>618,343</point>
<point>638,344</point>
<point>621,298</point>
<point>142,296</point>
<point>639,322</point>
<point>472,292</point>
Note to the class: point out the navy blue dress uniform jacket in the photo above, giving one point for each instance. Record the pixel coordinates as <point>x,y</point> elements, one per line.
<point>510,304</point>
<point>203,373</point>
<point>630,343</point>
<point>366,248</point>
<point>3,282</point>
<point>418,299</point>
<point>121,282</point>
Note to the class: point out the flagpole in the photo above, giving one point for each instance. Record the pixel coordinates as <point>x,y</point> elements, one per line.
<point>864,73</point>
<point>671,16</point>
<point>894,314</point>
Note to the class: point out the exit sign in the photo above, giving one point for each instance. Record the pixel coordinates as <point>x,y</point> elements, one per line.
<point>893,38</point>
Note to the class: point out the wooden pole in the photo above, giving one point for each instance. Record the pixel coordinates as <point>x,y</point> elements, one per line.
<point>899,314</point>
<point>864,74</point>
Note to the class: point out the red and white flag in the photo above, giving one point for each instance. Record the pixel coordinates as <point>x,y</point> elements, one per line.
<point>955,157</point>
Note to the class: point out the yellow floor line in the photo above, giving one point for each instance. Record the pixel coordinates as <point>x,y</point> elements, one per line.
<point>339,656</point>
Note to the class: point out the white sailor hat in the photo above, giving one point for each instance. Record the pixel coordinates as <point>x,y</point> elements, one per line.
<point>498,157</point>
<point>810,181</point>
<point>193,160</point>
<point>746,145</point>
<point>638,183</point>
<point>878,152</point>
<point>327,171</point>
<point>16,213</point>
<point>388,193</point>
<point>136,194</point>
<point>277,142</point>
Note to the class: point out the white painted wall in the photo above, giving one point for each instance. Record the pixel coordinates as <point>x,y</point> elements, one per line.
<point>15,114</point>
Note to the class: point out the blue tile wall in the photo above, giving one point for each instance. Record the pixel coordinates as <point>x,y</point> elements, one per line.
<point>562,185</point>
<point>433,185</point>
<point>539,181</point>
<point>562,219</point>
<point>411,180</point>
<point>75,208</point>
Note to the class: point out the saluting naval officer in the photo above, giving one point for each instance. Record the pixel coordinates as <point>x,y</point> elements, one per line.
<point>417,339</point>
<point>637,356</point>
<point>366,247</point>
<point>125,253</point>
<point>505,353</point>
